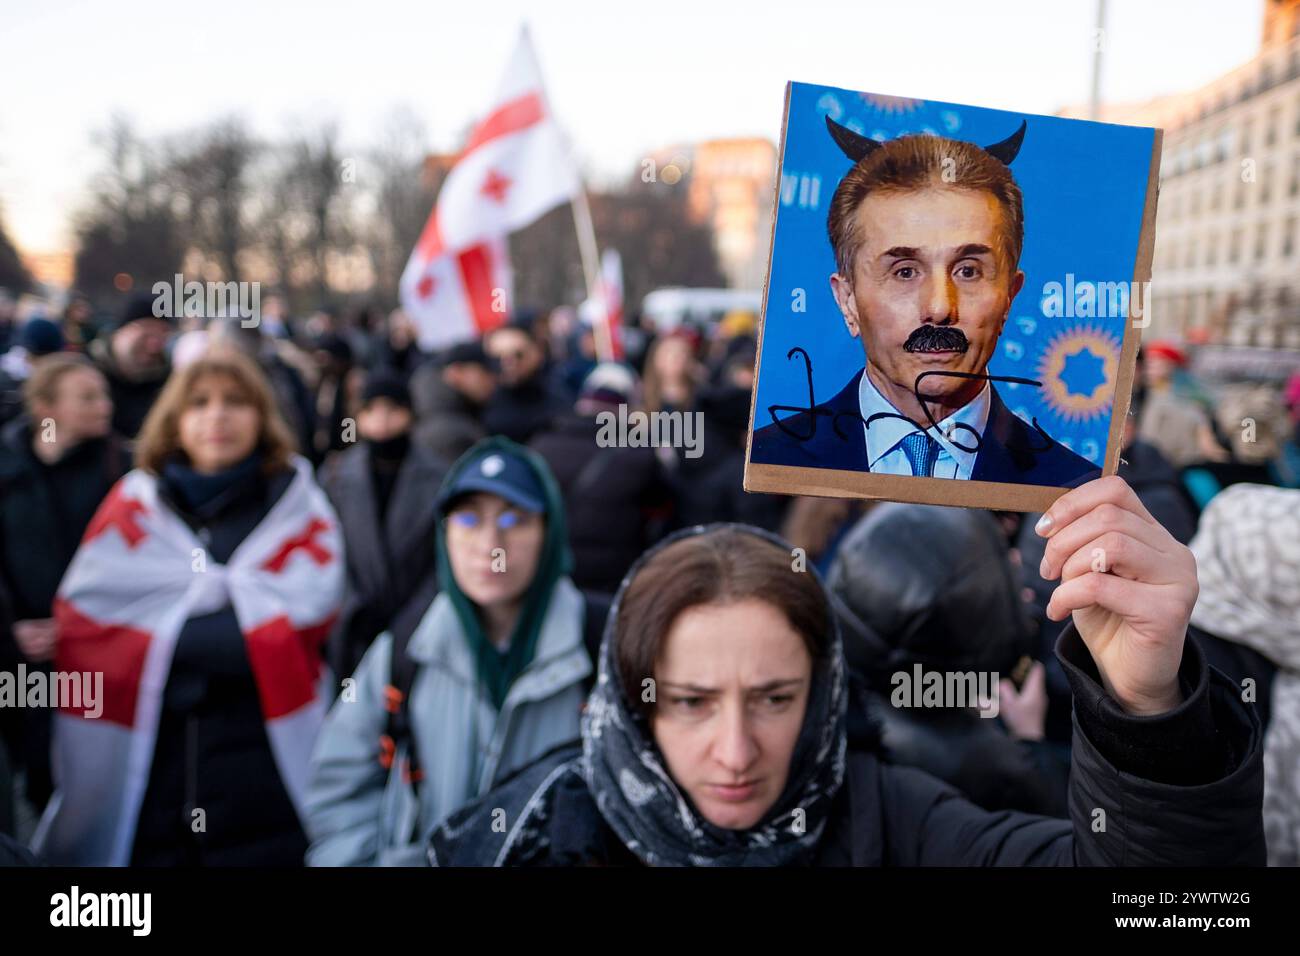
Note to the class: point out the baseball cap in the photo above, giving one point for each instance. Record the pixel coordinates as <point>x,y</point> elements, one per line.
<point>499,472</point>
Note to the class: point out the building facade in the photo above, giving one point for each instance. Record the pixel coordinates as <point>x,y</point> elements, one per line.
<point>1227,255</point>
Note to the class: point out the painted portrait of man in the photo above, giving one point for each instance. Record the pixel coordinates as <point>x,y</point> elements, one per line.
<point>927,233</point>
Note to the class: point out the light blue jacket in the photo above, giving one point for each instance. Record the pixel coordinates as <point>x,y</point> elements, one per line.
<point>358,814</point>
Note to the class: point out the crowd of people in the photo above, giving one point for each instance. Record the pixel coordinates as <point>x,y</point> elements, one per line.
<point>354,603</point>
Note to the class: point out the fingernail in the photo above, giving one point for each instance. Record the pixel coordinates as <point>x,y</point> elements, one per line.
<point>1044,525</point>
<point>1042,568</point>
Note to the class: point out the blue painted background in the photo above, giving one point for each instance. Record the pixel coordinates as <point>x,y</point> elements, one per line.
<point>1084,187</point>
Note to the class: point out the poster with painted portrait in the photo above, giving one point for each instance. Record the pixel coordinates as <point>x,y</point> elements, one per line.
<point>954,301</point>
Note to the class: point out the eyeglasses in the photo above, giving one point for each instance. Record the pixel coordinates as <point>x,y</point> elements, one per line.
<point>466,521</point>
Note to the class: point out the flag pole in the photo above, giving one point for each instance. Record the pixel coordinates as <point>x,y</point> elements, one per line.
<point>591,272</point>
<point>587,247</point>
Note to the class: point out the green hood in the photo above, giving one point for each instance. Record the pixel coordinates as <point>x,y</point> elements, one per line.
<point>497,670</point>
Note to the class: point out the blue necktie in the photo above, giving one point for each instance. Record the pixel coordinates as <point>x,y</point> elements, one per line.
<point>922,452</point>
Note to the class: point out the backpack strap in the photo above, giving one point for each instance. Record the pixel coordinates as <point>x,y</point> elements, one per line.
<point>402,670</point>
<point>397,693</point>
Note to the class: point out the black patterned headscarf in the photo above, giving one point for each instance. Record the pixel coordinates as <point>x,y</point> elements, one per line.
<point>634,793</point>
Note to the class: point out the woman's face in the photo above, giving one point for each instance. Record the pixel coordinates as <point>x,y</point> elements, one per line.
<point>673,358</point>
<point>494,548</point>
<point>382,420</point>
<point>731,689</point>
<point>81,409</point>
<point>219,425</point>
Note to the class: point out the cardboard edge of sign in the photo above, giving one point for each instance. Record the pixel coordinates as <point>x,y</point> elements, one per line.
<point>998,496</point>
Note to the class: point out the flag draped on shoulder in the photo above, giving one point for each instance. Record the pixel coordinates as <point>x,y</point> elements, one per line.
<point>138,576</point>
<point>515,167</point>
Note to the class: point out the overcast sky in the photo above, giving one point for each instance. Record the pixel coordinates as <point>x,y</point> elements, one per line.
<point>625,78</point>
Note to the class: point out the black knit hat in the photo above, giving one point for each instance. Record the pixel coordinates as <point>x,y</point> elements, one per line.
<point>467,353</point>
<point>140,305</point>
<point>383,383</point>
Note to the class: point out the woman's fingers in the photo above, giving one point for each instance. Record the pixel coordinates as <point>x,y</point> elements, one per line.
<point>1114,552</point>
<point>1128,599</point>
<point>1105,519</point>
<point>1079,501</point>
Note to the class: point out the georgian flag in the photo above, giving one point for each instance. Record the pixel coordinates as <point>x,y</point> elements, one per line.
<point>604,310</point>
<point>515,167</point>
<point>138,576</point>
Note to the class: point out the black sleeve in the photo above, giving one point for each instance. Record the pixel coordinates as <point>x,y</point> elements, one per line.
<point>1181,789</point>
<point>1183,747</point>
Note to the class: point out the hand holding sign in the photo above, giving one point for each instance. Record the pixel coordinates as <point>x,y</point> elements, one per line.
<point>1129,585</point>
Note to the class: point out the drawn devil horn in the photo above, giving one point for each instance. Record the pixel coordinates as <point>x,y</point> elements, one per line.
<point>1006,150</point>
<point>851,144</point>
<point>856,146</point>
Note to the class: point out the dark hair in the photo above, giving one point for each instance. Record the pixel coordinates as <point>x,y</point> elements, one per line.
<point>915,162</point>
<point>719,566</point>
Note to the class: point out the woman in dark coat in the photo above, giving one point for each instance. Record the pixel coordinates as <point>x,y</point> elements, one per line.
<point>716,731</point>
<point>201,595</point>
<point>383,490</point>
<point>56,465</point>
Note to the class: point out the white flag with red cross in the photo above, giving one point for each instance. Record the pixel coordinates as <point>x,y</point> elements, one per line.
<point>138,576</point>
<point>515,167</point>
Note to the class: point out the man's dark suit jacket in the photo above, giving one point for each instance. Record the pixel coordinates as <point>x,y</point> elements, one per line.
<point>1010,450</point>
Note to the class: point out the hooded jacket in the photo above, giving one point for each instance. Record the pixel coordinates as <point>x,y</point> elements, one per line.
<point>1182,788</point>
<point>361,814</point>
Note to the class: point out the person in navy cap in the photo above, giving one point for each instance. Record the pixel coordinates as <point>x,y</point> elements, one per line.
<point>491,677</point>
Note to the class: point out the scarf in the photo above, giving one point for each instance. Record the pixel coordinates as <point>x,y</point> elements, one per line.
<point>138,576</point>
<point>1247,552</point>
<point>496,669</point>
<point>652,816</point>
<point>195,491</point>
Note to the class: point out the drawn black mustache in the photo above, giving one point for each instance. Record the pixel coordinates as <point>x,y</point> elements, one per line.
<point>936,338</point>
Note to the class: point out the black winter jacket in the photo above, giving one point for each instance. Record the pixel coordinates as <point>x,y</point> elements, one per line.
<point>44,510</point>
<point>391,570</point>
<point>616,500</point>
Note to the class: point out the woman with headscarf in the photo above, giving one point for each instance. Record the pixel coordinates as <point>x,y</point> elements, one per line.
<point>1248,619</point>
<point>500,670</point>
<point>716,734</point>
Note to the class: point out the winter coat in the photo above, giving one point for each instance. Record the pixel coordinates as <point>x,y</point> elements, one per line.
<point>615,499</point>
<point>521,411</point>
<point>44,509</point>
<point>360,814</point>
<point>390,565</point>
<point>710,487</point>
<point>132,398</point>
<point>446,422</point>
